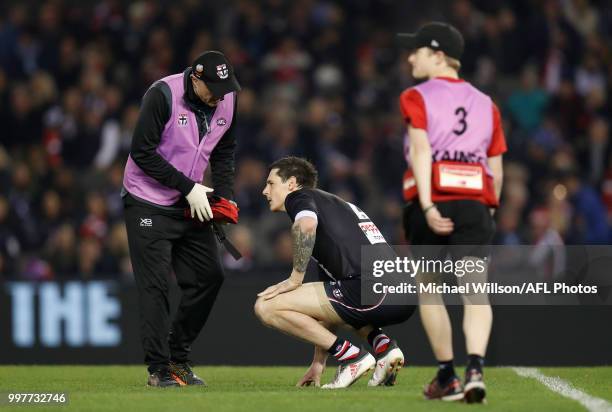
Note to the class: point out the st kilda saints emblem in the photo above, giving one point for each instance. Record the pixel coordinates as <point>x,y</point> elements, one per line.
<point>182,119</point>
<point>222,71</point>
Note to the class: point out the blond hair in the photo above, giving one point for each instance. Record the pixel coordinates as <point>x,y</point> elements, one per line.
<point>452,63</point>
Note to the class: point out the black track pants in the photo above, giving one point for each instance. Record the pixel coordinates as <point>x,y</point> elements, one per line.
<point>159,245</point>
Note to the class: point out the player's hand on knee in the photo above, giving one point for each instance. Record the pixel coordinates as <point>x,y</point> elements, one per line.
<point>312,376</point>
<point>285,286</point>
<point>438,224</point>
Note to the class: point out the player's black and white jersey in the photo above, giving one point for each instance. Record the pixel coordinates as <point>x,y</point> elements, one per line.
<point>342,230</point>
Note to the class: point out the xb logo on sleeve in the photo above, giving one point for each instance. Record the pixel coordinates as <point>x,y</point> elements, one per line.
<point>146,222</point>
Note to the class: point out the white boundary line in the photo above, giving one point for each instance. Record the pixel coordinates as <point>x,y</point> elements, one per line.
<point>564,388</point>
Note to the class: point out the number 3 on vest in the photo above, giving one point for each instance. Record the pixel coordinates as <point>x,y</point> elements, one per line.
<point>462,127</point>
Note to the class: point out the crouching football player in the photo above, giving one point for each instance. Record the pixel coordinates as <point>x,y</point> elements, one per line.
<point>329,230</point>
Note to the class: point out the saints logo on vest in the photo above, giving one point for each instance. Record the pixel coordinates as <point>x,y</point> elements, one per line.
<point>182,119</point>
<point>222,71</point>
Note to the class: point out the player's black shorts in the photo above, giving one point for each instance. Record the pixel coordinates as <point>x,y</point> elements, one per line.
<point>473,229</point>
<point>345,297</point>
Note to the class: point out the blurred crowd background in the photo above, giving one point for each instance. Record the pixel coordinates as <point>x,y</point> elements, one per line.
<point>321,79</point>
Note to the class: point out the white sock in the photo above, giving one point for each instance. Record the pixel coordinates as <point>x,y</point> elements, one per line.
<point>346,351</point>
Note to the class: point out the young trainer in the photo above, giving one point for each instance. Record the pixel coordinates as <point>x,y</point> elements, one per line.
<point>332,232</point>
<point>454,150</point>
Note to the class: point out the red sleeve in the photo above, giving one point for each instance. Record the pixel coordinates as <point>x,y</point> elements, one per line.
<point>412,107</point>
<point>498,140</point>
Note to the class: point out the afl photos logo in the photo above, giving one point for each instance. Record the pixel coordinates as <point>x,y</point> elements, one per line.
<point>222,71</point>
<point>221,122</point>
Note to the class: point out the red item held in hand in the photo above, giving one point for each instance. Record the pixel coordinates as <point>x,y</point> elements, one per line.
<point>223,210</point>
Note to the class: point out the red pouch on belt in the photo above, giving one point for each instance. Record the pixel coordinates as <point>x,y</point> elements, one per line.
<point>223,210</point>
<point>459,178</point>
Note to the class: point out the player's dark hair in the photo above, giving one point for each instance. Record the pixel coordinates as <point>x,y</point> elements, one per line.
<point>304,172</point>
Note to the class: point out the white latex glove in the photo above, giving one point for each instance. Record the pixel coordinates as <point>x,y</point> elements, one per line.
<point>198,202</point>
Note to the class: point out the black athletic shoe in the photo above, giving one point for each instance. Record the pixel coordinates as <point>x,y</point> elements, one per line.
<point>450,391</point>
<point>162,378</point>
<point>474,390</point>
<point>183,375</point>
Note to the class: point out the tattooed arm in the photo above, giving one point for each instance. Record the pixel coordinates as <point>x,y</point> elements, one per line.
<point>304,232</point>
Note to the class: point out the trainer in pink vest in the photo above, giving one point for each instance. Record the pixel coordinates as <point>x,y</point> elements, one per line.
<point>459,121</point>
<point>180,146</point>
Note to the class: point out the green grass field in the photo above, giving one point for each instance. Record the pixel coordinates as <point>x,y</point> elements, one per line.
<point>263,389</point>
